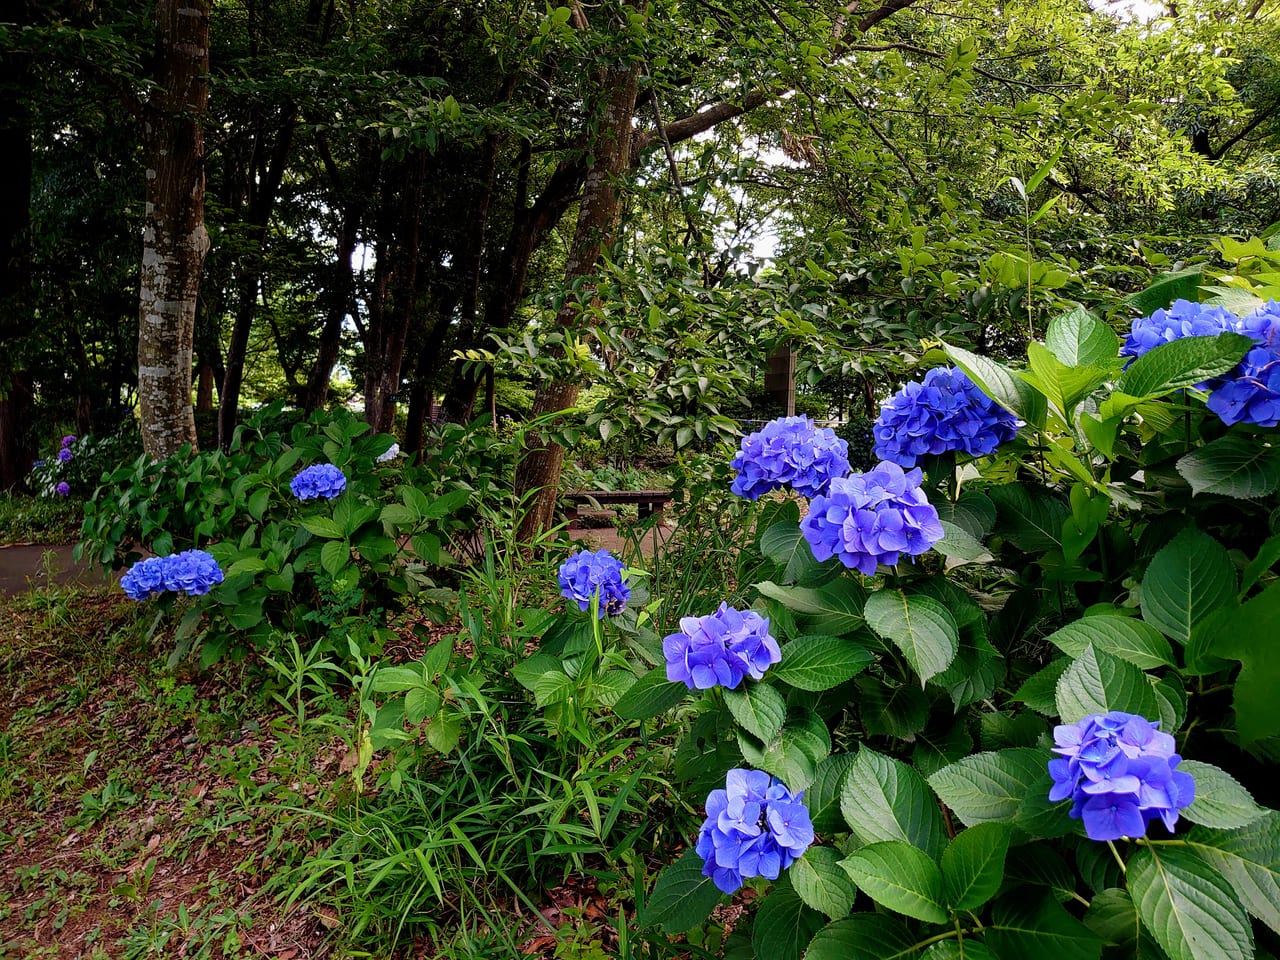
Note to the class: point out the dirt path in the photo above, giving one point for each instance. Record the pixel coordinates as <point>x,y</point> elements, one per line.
<point>27,565</point>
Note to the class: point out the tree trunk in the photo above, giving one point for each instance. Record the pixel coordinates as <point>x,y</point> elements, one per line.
<point>538,475</point>
<point>337,297</point>
<point>174,239</point>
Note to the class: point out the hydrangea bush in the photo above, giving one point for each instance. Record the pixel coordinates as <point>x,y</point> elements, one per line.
<point>1049,732</point>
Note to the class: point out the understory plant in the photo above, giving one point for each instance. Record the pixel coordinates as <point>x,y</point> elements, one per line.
<point>1025,675</point>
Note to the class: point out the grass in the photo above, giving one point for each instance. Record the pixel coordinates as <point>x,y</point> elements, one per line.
<point>25,519</point>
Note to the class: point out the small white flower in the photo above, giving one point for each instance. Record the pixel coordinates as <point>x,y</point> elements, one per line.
<point>390,454</point>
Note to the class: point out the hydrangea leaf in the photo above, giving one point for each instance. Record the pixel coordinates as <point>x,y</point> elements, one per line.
<point>1097,682</point>
<point>1010,786</point>
<point>1064,386</point>
<point>1189,907</point>
<point>1039,690</point>
<point>682,898</point>
<point>1168,287</point>
<point>1023,926</point>
<point>1182,363</point>
<point>1237,465</point>
<point>1249,858</point>
<point>973,865</point>
<point>864,936</point>
<point>884,799</point>
<point>649,696</point>
<point>1125,637</point>
<point>784,925</point>
<point>1078,338</point>
<point>759,708</point>
<point>1031,519</point>
<point>821,883</point>
<point>819,663</point>
<point>835,607</point>
<point>973,512</point>
<point>785,545</point>
<point>1221,801</point>
<point>969,949</point>
<point>901,877</point>
<point>823,795</point>
<point>1188,579</point>
<point>893,710</point>
<point>1247,634</point>
<point>920,626</point>
<point>793,755</point>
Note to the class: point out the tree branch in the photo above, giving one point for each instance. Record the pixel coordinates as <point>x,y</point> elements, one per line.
<point>1259,117</point>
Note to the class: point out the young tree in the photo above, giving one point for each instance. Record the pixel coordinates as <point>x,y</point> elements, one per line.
<point>174,238</point>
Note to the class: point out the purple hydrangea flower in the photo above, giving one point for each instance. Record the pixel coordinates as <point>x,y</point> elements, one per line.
<point>321,480</point>
<point>64,455</point>
<point>791,451</point>
<point>1182,319</point>
<point>871,518</point>
<point>755,827</point>
<point>63,489</point>
<point>946,412</point>
<point>1119,771</point>
<point>145,579</point>
<point>68,440</point>
<point>720,649</point>
<point>586,573</point>
<point>193,572</point>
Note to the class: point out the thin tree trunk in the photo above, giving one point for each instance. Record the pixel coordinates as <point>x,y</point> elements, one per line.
<point>174,239</point>
<point>538,475</point>
<point>337,296</point>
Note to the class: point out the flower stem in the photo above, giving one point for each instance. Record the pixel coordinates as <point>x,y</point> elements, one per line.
<point>1116,853</point>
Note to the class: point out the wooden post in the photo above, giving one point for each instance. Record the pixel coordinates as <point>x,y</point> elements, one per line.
<point>780,378</point>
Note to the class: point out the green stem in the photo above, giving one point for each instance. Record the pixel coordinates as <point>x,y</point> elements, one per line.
<point>1116,853</point>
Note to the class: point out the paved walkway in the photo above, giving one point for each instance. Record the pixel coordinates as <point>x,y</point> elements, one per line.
<point>24,565</point>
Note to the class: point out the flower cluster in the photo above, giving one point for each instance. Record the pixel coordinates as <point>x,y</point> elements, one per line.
<point>1119,771</point>
<point>791,451</point>
<point>322,480</point>
<point>587,573</point>
<point>944,413</point>
<point>193,572</point>
<point>720,649</point>
<point>63,489</point>
<point>755,827</point>
<point>871,518</point>
<point>1250,393</point>
<point>391,454</point>
<point>1182,319</point>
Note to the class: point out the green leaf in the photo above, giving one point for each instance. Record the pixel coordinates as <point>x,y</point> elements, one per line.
<point>823,795</point>
<point>1113,917</point>
<point>1078,339</point>
<point>1001,384</point>
<point>960,547</point>
<point>1039,928</point>
<point>899,710</point>
<point>968,949</point>
<point>1220,801</point>
<point>1097,682</point>
<point>837,606</point>
<point>783,924</point>
<point>759,709</point>
<point>884,799</point>
<point>682,898</point>
<point>973,512</point>
<point>793,755</point>
<point>1267,556</point>
<point>334,556</point>
<point>1247,634</point>
<point>1249,859</point>
<point>819,663</point>
<point>921,627</point>
<point>864,936</point>
<point>900,877</point>
<point>390,679</point>
<point>323,527</point>
<point>420,703</point>
<point>1182,363</point>
<point>1062,385</point>
<point>1030,518</point>
<point>1188,906</point>
<point>1188,579</point>
<point>1008,786</point>
<point>785,545</point>
<point>821,883</point>
<point>1039,691</point>
<point>649,696</point>
<point>1243,466</point>
<point>973,865</point>
<point>444,731</point>
<point>1168,287</point>
<point>1128,638</point>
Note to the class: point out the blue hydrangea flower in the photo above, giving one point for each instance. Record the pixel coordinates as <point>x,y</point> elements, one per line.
<point>38,463</point>
<point>392,452</point>
<point>944,413</point>
<point>1183,319</point>
<point>871,518</point>
<point>755,827</point>
<point>68,440</point>
<point>791,451</point>
<point>193,572</point>
<point>1120,772</point>
<point>64,455</point>
<point>720,649</point>
<point>145,579</point>
<point>63,489</point>
<point>321,480</point>
<point>1250,393</point>
<point>586,573</point>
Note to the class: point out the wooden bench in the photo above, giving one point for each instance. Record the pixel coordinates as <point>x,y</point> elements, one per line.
<point>647,502</point>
